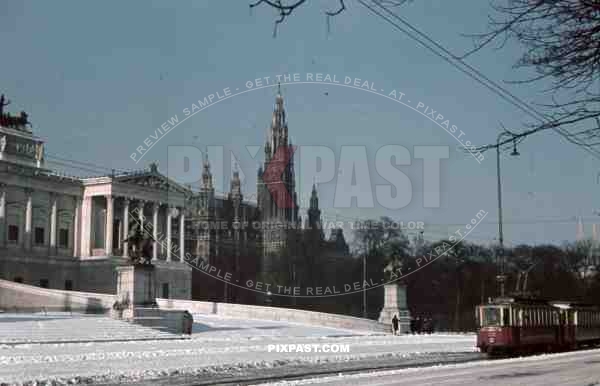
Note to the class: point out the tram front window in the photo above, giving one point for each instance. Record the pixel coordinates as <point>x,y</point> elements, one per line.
<point>491,317</point>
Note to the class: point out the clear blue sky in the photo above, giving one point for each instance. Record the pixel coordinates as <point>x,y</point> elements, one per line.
<point>97,77</point>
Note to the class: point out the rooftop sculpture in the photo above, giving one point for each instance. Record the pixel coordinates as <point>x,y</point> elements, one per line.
<point>19,122</point>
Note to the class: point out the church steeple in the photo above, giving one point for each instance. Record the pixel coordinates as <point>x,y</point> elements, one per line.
<point>278,132</point>
<point>236,188</point>
<point>277,198</point>
<point>207,182</point>
<point>314,213</point>
<point>314,198</point>
<point>279,112</point>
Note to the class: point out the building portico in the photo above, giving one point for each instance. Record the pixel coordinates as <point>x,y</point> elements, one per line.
<point>112,204</point>
<point>71,233</point>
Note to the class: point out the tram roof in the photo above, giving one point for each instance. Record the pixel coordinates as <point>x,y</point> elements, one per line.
<point>561,304</point>
<point>568,305</point>
<point>519,299</point>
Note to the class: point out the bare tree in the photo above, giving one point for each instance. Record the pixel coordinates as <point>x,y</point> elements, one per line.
<point>285,8</point>
<point>562,45</point>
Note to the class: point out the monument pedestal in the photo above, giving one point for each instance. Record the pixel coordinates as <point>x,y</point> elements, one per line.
<point>136,287</point>
<point>395,304</point>
<point>136,301</point>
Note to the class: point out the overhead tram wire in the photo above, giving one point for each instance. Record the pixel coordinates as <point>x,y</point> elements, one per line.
<point>84,166</point>
<point>70,166</point>
<point>442,230</point>
<point>472,72</point>
<point>51,156</point>
<point>516,101</point>
<point>375,220</point>
<point>89,168</point>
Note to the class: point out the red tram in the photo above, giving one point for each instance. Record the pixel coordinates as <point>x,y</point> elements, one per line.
<point>517,325</point>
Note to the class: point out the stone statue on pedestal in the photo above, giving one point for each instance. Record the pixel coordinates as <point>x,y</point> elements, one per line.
<point>23,120</point>
<point>395,306</point>
<point>39,151</point>
<point>3,103</point>
<point>140,246</point>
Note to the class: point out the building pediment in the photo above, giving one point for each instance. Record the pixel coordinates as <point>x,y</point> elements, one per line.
<point>152,180</point>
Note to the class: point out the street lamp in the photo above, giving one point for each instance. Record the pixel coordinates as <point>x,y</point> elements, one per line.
<point>364,288</point>
<point>515,152</point>
<point>365,255</point>
<point>502,277</point>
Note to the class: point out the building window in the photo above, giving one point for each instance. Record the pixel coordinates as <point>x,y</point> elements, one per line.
<point>63,238</point>
<point>13,233</point>
<point>44,283</point>
<point>18,279</point>
<point>39,235</point>
<point>165,290</point>
<point>68,285</point>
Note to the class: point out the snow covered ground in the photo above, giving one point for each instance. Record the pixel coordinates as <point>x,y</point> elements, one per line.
<point>219,347</point>
<point>60,327</point>
<point>581,368</point>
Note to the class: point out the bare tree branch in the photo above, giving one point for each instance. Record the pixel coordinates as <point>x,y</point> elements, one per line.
<point>340,9</point>
<point>562,44</point>
<point>286,9</point>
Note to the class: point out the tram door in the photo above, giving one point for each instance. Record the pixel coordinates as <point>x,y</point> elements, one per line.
<point>562,327</point>
<point>570,330</point>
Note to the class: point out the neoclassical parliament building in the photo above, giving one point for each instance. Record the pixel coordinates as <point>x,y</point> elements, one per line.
<point>71,233</point>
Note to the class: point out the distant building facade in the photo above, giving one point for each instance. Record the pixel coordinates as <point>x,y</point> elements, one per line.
<point>274,246</point>
<point>70,233</point>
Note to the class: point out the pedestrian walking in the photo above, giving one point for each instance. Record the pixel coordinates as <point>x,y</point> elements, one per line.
<point>395,325</point>
<point>413,325</point>
<point>426,326</point>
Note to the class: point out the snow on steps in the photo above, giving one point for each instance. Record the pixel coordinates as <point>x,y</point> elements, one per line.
<point>20,297</point>
<point>245,311</point>
<point>61,327</point>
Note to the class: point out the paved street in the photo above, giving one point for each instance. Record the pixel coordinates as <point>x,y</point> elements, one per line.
<point>566,369</point>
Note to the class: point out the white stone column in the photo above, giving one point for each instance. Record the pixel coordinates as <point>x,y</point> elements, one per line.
<point>86,227</point>
<point>28,219</point>
<point>155,208</point>
<point>2,215</point>
<point>125,227</point>
<point>76,232</point>
<point>120,234</point>
<point>140,207</point>
<point>181,235</point>
<point>169,220</point>
<point>53,222</point>
<point>108,236</point>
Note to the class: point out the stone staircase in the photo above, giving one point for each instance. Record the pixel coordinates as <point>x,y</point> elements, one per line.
<point>62,327</point>
<point>163,320</point>
<point>148,317</point>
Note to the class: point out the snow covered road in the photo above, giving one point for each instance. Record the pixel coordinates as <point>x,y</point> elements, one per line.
<point>219,347</point>
<point>581,368</point>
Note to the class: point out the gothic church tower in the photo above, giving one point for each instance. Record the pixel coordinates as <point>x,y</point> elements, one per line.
<point>276,186</point>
